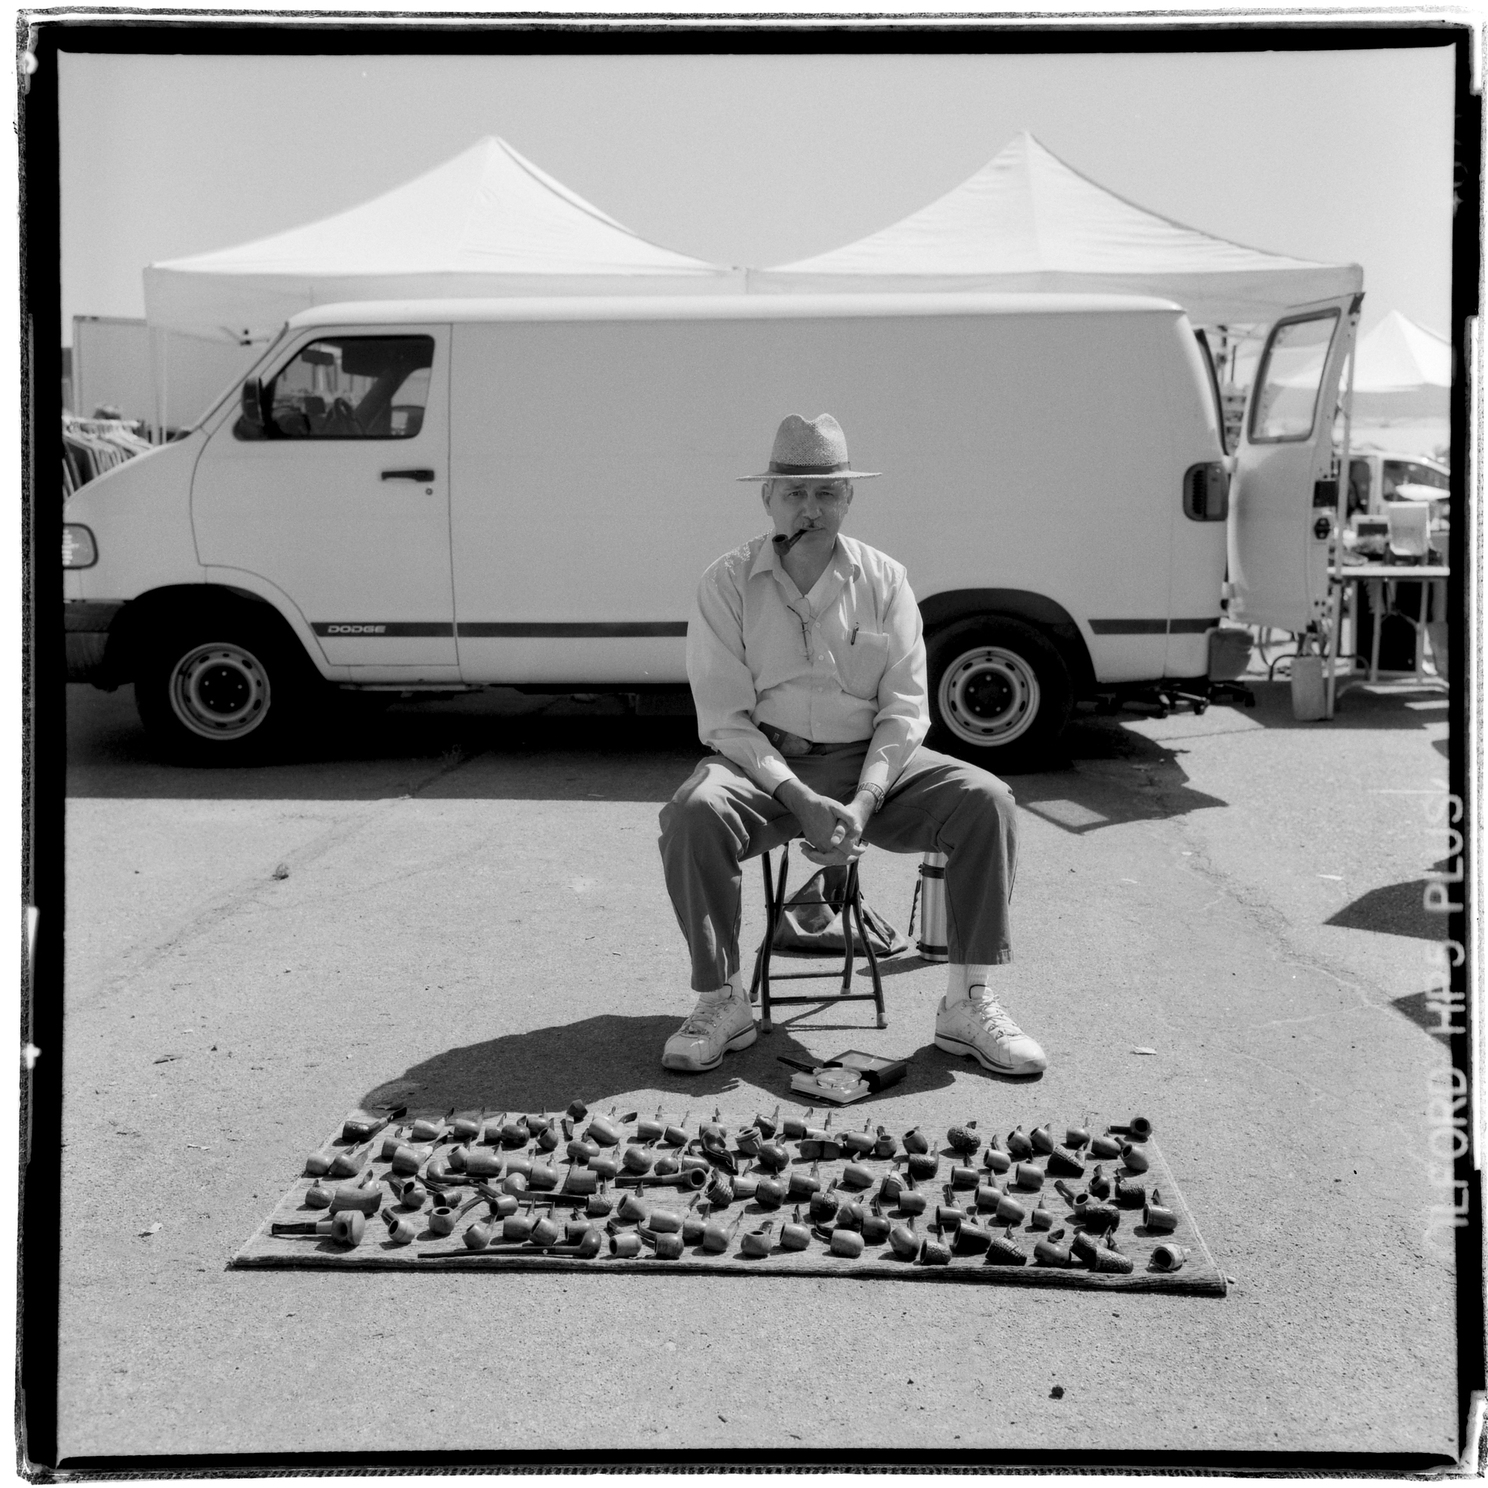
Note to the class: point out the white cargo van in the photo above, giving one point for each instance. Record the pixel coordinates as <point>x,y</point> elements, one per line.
<point>438,495</point>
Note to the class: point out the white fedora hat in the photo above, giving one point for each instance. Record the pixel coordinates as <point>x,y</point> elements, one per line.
<point>813,450</point>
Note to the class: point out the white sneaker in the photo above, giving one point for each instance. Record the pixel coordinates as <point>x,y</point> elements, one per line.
<point>712,1030</point>
<point>982,1028</point>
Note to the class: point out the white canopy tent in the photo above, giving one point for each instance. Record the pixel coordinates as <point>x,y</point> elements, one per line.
<point>1402,371</point>
<point>1028,221</point>
<point>487,222</point>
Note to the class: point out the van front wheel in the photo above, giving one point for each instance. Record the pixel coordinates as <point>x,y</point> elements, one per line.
<point>1000,693</point>
<point>218,694</point>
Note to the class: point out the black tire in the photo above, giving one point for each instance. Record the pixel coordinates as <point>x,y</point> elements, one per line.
<point>1000,693</point>
<point>222,687</point>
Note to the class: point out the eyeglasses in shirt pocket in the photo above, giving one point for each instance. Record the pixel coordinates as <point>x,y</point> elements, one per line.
<point>861,664</point>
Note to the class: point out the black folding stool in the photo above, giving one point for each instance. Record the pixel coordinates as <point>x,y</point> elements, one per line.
<point>852,914</point>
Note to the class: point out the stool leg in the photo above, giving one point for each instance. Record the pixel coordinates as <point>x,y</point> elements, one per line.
<point>873,971</point>
<point>848,891</point>
<point>762,956</point>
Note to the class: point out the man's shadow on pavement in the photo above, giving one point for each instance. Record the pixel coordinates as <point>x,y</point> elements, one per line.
<point>610,1057</point>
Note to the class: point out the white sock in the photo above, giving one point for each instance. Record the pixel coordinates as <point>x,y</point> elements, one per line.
<point>729,989</point>
<point>960,979</point>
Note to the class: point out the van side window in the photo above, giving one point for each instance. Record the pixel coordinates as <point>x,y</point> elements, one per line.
<point>1290,375</point>
<point>349,387</point>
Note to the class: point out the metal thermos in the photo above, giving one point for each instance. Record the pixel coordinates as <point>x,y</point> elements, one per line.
<point>932,943</point>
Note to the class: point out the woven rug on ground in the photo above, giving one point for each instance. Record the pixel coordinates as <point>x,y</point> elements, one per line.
<point>800,1194</point>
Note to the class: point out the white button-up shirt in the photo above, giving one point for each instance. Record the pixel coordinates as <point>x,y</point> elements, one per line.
<point>844,662</point>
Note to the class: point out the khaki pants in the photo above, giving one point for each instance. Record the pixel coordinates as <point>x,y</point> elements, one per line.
<point>720,817</point>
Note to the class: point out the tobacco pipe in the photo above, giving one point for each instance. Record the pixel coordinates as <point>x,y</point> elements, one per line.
<point>317,1196</point>
<point>855,1175</point>
<point>792,1129</point>
<point>468,1128</point>
<point>886,1144</point>
<point>363,1195</point>
<point>694,1222</point>
<point>891,1186</point>
<point>759,1242</point>
<point>748,1141</point>
<point>963,1176</point>
<point>1105,1147</point>
<point>1042,1139</point>
<point>1019,1144</point>
<point>1005,1251</point>
<point>400,1231</point>
<point>911,1200</point>
<point>637,1160</point>
<point>859,1143</point>
<point>717,1237</point>
<point>803,1185</point>
<point>851,1217</point>
<point>1169,1257</point>
<point>442,1220</point>
<point>876,1226</point>
<point>915,1141</point>
<point>342,1229</point>
<point>689,1178</point>
<point>1109,1257</point>
<point>479,1164</point>
<point>772,1157</point>
<point>1099,1184</point>
<point>577,1110</point>
<point>995,1160</point>
<point>424,1130</point>
<point>1076,1136</point>
<point>822,1208</point>
<point>922,1165</point>
<point>964,1139</point>
<point>720,1193</point>
<point>784,544</point>
<point>767,1126</point>
<point>935,1252</point>
<point>1042,1218</point>
<point>411,1193</point>
<point>1139,1128</point>
<point>1156,1215</point>
<point>1135,1159</point>
<point>1047,1251</point>
<point>623,1247</point>
<point>1064,1163</point>
<point>353,1130</point>
<point>903,1241</point>
<point>348,1164</point>
<point>769,1192</point>
<point>971,1238</point>
<point>795,1235</point>
<point>581,1150</point>
<point>1130,1193</point>
<point>676,1136</point>
<point>1028,1175</point>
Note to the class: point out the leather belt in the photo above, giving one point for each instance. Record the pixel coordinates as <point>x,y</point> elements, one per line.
<point>793,746</point>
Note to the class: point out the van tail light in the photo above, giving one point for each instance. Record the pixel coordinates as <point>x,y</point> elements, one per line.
<point>1206,492</point>
<point>78,548</point>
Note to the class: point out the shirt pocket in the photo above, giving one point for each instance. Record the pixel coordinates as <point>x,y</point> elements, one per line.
<point>861,664</point>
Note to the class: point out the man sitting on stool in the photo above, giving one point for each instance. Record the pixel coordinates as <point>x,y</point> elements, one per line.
<point>807,665</point>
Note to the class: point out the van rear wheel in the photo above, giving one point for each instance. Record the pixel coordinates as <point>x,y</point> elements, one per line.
<point>1000,693</point>
<point>219,692</point>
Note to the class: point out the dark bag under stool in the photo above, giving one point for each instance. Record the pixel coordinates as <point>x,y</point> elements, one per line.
<point>811,920</point>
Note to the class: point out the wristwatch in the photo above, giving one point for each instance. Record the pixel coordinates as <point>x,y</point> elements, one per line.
<point>876,791</point>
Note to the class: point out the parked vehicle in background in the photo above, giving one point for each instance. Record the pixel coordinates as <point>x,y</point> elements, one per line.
<point>432,496</point>
<point>1376,476</point>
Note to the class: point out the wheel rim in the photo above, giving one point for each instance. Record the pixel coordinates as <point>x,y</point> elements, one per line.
<point>220,691</point>
<point>989,696</point>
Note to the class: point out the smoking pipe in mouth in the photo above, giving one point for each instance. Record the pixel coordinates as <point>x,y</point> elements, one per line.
<point>785,544</point>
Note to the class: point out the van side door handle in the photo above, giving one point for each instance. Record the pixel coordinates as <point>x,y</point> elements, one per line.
<point>413,475</point>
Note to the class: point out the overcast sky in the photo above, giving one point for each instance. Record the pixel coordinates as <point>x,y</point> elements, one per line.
<point>1333,156</point>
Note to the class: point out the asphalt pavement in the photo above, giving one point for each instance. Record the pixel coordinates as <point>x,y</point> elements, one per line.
<point>464,900</point>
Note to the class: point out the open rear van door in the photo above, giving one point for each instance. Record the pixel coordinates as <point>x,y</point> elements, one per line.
<point>1283,495</point>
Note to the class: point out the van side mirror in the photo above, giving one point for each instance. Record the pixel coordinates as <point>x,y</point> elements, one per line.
<point>253,405</point>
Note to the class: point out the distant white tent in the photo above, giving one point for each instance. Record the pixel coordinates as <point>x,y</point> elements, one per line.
<point>487,222</point>
<point>1028,221</point>
<point>1399,356</point>
<point>1401,371</point>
